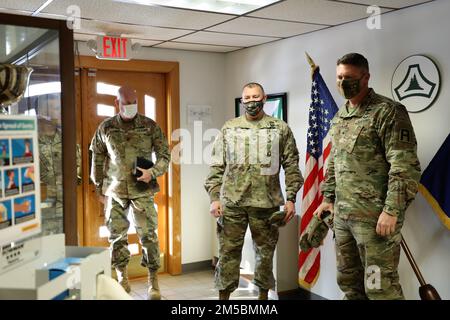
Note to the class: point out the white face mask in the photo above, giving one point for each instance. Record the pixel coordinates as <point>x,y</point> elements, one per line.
<point>129,110</point>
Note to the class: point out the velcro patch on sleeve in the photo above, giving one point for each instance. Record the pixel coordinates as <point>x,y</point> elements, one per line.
<point>405,135</point>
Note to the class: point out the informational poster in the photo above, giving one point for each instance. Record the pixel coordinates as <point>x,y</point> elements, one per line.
<point>20,215</point>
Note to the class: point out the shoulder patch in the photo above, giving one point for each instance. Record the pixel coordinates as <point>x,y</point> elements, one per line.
<point>405,135</point>
<point>404,127</point>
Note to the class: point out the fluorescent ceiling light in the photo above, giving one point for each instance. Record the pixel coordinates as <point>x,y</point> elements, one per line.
<point>220,6</point>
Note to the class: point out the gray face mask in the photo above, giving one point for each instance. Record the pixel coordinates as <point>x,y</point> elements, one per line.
<point>253,107</point>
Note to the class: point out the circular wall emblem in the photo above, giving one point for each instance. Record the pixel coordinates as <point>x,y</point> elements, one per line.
<point>416,83</point>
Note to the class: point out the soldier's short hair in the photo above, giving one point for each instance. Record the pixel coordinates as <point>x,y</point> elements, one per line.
<point>354,59</point>
<point>123,89</point>
<point>252,85</point>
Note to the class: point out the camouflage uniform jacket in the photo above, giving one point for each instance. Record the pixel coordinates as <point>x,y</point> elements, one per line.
<point>246,161</point>
<point>50,158</point>
<point>115,146</point>
<point>373,165</point>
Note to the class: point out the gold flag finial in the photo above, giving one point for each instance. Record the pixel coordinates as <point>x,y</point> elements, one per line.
<point>310,60</point>
<point>311,63</point>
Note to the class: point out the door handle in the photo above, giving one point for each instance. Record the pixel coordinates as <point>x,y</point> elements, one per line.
<point>79,168</point>
<point>90,163</point>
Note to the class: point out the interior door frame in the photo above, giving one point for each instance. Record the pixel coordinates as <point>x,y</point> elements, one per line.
<point>171,73</point>
<point>66,65</point>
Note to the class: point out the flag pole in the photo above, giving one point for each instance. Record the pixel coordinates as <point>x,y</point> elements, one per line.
<point>426,291</point>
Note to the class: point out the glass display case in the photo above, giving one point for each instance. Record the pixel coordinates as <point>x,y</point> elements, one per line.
<point>46,46</point>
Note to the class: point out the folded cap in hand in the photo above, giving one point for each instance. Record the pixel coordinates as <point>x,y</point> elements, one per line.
<point>316,231</point>
<point>277,218</point>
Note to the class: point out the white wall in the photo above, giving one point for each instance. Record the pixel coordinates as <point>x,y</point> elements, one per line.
<point>201,83</point>
<point>282,67</point>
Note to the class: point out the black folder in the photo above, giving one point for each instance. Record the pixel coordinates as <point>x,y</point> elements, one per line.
<point>141,163</point>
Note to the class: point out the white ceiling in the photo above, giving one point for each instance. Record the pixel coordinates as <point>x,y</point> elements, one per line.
<point>167,27</point>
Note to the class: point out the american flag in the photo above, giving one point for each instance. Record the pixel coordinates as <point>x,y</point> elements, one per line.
<point>321,111</point>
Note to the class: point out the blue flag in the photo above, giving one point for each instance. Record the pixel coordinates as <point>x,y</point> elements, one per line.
<point>435,183</point>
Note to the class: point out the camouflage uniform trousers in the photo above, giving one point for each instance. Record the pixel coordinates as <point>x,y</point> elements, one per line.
<point>145,219</point>
<point>231,229</point>
<point>366,262</point>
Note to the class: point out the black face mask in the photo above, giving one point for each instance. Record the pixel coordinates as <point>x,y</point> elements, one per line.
<point>253,107</point>
<point>349,88</point>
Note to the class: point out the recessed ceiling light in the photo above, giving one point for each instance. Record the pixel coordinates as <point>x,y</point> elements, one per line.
<point>220,6</point>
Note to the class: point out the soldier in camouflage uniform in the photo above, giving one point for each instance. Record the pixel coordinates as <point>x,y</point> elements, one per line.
<point>115,146</point>
<point>50,158</point>
<point>372,177</point>
<point>244,188</point>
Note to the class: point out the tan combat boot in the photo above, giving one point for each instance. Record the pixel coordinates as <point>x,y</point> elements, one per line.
<point>263,294</point>
<point>224,295</point>
<point>122,278</point>
<point>153,286</point>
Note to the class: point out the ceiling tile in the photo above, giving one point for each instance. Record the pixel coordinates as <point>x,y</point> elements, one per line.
<point>26,5</point>
<point>131,31</point>
<point>218,6</point>
<point>111,11</point>
<point>86,37</point>
<point>314,11</point>
<point>150,25</point>
<point>264,27</point>
<point>146,43</point>
<point>125,30</point>
<point>390,3</point>
<point>225,39</point>
<point>195,47</point>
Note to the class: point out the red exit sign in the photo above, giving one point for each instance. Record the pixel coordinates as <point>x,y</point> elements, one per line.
<point>113,48</point>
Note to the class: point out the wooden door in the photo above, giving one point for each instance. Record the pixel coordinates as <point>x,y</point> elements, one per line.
<point>99,89</point>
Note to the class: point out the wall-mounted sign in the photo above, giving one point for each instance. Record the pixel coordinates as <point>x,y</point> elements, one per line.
<point>113,48</point>
<point>416,83</point>
<point>20,214</point>
<point>201,113</point>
